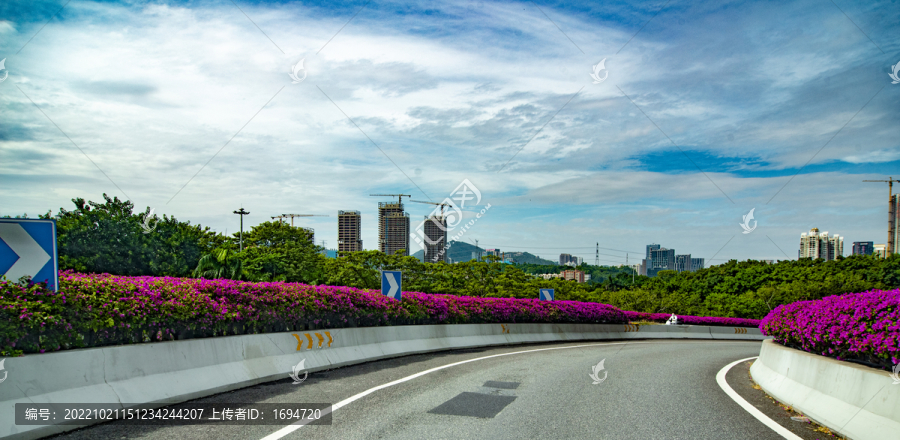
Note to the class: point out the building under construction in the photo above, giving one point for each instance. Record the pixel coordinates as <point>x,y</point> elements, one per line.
<point>393,228</point>
<point>349,232</point>
<point>435,228</point>
<point>893,224</point>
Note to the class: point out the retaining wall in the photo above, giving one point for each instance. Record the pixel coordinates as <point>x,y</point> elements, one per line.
<point>856,401</point>
<point>172,372</point>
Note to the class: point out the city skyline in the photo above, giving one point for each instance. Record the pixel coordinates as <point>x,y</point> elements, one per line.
<point>707,113</point>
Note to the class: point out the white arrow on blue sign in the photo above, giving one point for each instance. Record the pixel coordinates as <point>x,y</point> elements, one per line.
<point>546,294</point>
<point>391,283</point>
<point>28,248</point>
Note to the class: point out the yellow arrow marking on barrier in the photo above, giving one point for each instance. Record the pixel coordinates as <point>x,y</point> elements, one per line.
<point>310,339</point>
<point>505,330</point>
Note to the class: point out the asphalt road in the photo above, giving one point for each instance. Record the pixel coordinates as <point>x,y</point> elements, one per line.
<point>662,389</point>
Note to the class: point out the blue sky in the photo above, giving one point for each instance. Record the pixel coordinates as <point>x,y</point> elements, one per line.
<point>709,110</point>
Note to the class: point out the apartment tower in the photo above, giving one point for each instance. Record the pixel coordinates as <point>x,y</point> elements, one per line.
<point>349,232</point>
<point>435,229</point>
<point>393,228</point>
<point>815,244</point>
<point>894,225</point>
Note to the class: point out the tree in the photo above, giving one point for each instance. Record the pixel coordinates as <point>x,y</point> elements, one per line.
<point>108,238</point>
<point>275,251</point>
<point>221,263</point>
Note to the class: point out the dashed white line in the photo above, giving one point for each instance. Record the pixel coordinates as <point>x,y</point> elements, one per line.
<point>720,378</point>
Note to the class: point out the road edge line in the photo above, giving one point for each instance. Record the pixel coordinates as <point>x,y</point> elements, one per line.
<point>773,425</point>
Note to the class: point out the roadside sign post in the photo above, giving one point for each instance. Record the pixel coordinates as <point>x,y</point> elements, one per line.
<point>391,283</point>
<point>28,248</point>
<point>546,294</point>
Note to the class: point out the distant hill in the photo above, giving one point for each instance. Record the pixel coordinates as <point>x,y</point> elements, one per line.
<point>527,258</point>
<point>461,251</point>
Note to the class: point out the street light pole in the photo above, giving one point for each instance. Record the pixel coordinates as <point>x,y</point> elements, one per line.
<point>242,213</point>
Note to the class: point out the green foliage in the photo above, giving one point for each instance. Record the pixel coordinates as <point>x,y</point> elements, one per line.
<point>750,289</point>
<point>275,251</point>
<point>108,238</point>
<point>98,238</point>
<point>612,277</point>
<point>221,263</point>
<point>482,279</point>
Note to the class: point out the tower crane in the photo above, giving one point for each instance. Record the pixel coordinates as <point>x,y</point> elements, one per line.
<point>398,196</point>
<point>891,246</point>
<point>284,216</point>
<point>442,205</point>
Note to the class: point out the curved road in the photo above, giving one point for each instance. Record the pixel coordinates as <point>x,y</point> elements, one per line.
<point>657,389</point>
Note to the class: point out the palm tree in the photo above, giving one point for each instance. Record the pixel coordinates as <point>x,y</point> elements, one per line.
<point>221,263</point>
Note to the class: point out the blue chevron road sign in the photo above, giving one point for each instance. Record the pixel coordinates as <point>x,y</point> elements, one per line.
<point>391,283</point>
<point>546,294</point>
<point>28,248</point>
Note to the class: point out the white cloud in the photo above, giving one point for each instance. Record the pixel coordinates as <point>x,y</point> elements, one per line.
<point>152,94</point>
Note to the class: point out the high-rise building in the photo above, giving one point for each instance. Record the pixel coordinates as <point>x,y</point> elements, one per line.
<point>863,247</point>
<point>565,259</point>
<point>494,252</point>
<point>648,260</point>
<point>815,244</point>
<point>435,229</point>
<point>893,244</point>
<point>651,247</point>
<point>642,269</point>
<point>879,250</point>
<point>393,228</point>
<point>660,259</point>
<point>683,263</point>
<point>697,264</point>
<point>349,232</point>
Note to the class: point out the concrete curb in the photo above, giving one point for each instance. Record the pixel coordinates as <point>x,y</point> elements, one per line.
<point>164,373</point>
<point>852,400</point>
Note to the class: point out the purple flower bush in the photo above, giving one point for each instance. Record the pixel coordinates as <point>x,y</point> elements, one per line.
<point>862,327</point>
<point>693,320</point>
<point>92,310</point>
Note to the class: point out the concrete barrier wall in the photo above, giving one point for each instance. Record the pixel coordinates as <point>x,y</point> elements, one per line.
<point>172,372</point>
<point>856,401</point>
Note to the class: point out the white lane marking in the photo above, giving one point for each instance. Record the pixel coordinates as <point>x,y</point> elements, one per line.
<point>720,378</point>
<point>293,427</point>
